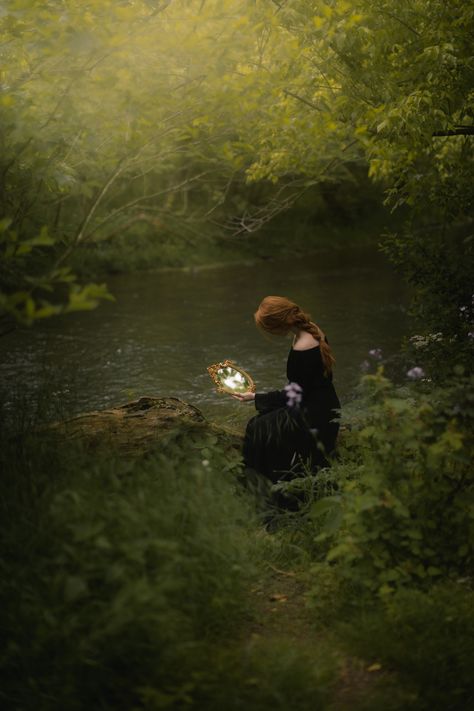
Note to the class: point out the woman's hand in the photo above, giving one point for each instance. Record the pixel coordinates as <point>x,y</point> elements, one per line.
<point>244,397</point>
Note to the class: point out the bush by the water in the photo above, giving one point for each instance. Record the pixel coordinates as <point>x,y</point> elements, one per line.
<point>116,574</point>
<point>402,511</point>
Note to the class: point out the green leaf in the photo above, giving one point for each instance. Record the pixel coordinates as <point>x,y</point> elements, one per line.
<point>5,224</point>
<point>323,506</point>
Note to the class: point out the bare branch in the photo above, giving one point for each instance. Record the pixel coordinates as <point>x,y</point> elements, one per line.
<point>302,99</point>
<point>140,200</point>
<point>247,224</point>
<point>459,131</point>
<point>402,22</point>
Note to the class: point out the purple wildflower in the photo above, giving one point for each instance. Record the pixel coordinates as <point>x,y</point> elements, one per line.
<point>376,353</point>
<point>365,366</point>
<point>293,394</point>
<point>470,335</point>
<point>416,373</point>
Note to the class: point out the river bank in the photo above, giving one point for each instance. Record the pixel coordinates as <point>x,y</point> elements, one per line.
<point>293,235</point>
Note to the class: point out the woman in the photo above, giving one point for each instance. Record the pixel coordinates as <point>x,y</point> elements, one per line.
<point>298,424</point>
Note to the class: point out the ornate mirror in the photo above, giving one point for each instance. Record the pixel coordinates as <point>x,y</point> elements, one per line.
<point>229,378</point>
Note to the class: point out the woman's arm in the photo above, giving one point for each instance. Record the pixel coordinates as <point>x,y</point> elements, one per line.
<point>264,402</point>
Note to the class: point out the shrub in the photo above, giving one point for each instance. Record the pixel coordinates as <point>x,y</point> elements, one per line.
<point>118,575</point>
<point>427,638</point>
<point>405,514</point>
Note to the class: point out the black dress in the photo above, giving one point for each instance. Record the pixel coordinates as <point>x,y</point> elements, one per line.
<point>280,437</point>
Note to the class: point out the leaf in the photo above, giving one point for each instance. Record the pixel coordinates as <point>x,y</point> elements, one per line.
<point>374,667</point>
<point>434,571</point>
<point>74,588</point>
<point>323,506</point>
<point>278,597</point>
<point>42,240</point>
<point>5,224</point>
<point>338,551</point>
<point>47,310</point>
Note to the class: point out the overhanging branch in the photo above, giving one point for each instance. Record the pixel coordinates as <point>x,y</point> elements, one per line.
<point>459,131</point>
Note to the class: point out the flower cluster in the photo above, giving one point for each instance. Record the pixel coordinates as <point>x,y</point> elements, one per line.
<point>294,394</point>
<point>427,340</point>
<point>365,366</point>
<point>376,353</point>
<point>465,312</point>
<point>416,373</point>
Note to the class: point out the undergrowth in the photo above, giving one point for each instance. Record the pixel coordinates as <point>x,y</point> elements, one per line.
<point>127,583</point>
<point>389,532</point>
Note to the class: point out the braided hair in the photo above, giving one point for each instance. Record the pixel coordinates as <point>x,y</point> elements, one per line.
<point>277,315</point>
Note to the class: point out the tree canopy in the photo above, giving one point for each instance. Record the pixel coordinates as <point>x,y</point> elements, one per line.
<point>159,114</point>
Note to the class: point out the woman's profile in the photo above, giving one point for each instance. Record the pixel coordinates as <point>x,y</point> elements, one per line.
<point>298,423</point>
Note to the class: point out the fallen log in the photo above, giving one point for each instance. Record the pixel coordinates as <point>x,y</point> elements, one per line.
<point>138,426</point>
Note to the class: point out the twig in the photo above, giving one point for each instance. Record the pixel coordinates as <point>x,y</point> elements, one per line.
<point>302,99</point>
<point>286,573</point>
<point>460,131</point>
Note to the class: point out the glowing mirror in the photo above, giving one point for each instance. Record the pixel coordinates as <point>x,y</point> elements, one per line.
<point>229,378</point>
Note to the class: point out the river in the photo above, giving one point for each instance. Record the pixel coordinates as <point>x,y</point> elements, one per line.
<point>164,328</point>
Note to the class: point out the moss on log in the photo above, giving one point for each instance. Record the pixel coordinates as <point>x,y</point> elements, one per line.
<point>138,427</point>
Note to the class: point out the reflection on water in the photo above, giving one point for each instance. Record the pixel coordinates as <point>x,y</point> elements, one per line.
<point>165,328</point>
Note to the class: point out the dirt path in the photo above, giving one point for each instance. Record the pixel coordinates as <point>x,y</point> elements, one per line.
<point>280,606</point>
<point>281,613</point>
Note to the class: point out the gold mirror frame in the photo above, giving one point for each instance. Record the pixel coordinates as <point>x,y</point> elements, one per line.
<point>213,369</point>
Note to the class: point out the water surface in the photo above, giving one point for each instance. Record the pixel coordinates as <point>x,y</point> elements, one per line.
<point>165,328</point>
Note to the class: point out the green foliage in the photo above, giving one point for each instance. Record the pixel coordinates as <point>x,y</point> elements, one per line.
<point>404,514</point>
<point>128,583</point>
<point>125,584</point>
<point>113,117</point>
<point>438,265</point>
<point>118,576</point>
<point>389,86</point>
<point>177,119</point>
<point>428,638</point>
<point>375,81</point>
<point>263,674</point>
<point>27,277</point>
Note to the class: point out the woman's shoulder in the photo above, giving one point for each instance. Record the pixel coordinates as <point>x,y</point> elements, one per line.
<point>305,342</point>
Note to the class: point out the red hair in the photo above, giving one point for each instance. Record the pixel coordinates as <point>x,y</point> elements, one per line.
<point>277,315</point>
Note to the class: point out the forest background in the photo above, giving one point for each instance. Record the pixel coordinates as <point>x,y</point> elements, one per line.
<point>138,134</point>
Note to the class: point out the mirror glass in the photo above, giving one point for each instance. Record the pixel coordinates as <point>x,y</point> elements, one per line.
<point>228,378</point>
<point>233,380</point>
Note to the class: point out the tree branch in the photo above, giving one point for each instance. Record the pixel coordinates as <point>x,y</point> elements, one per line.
<point>459,131</point>
<point>287,92</point>
<point>143,198</point>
